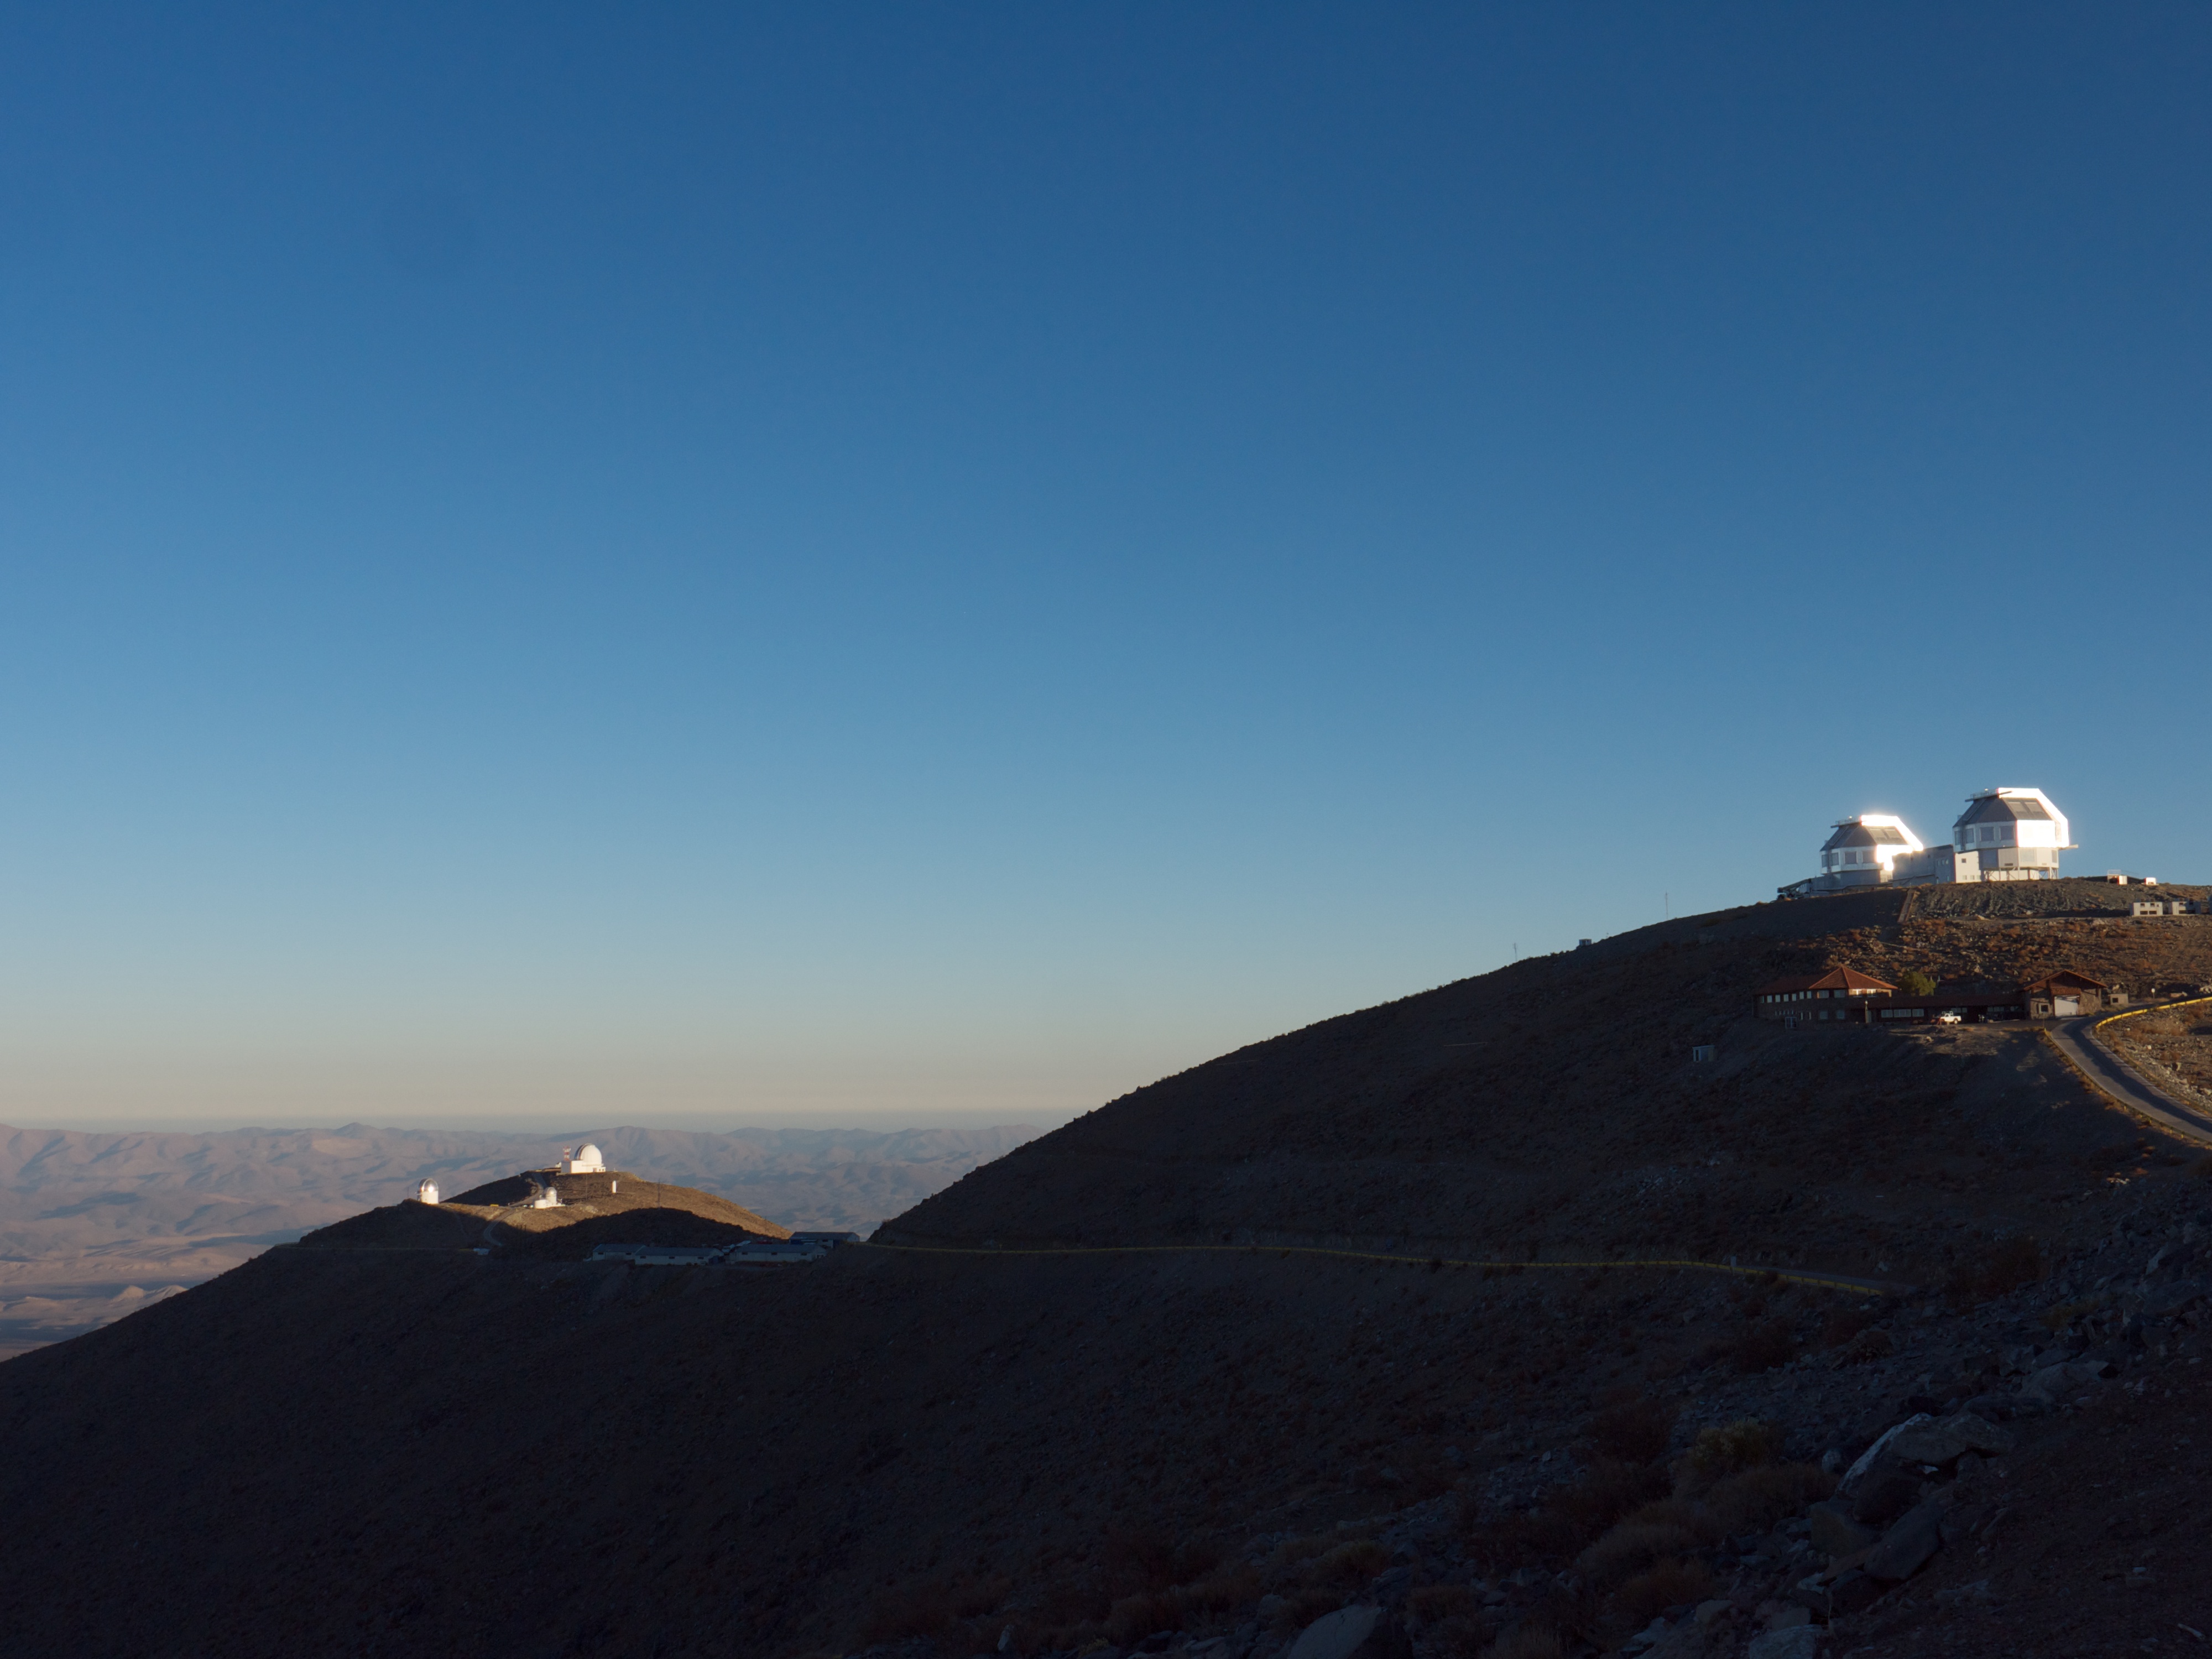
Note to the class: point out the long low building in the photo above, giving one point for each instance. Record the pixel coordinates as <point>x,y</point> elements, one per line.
<point>1842,995</point>
<point>1832,995</point>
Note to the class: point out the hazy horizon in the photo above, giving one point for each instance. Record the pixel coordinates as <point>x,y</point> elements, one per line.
<point>526,1126</point>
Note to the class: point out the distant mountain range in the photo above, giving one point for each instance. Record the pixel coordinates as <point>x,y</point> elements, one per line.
<point>92,1226</point>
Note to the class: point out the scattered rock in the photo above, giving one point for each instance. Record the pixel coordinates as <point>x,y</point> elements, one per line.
<point>2056,1383</point>
<point>1835,1533</point>
<point>1800,1642</point>
<point>1944,1441</point>
<point>1883,1496</point>
<point>1907,1547</point>
<point>1360,1632</point>
<point>1868,1458</point>
<point>2170,1299</point>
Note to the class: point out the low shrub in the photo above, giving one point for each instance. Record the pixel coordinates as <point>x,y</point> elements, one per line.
<point>1692,1518</point>
<point>1293,1551</point>
<point>1138,1559</point>
<point>1866,1348</point>
<point>1632,1547</point>
<point>1526,1642</point>
<point>1607,1492</point>
<point>1999,1269</point>
<point>1434,1603</point>
<point>911,1610</point>
<point>1722,1450</point>
<point>1354,1566</point>
<point>1843,1324</point>
<point>1133,1618</point>
<point>1460,1636</point>
<point>1668,1584</point>
<point>1633,1431</point>
<point>1765,1346</point>
<point>1753,1500</point>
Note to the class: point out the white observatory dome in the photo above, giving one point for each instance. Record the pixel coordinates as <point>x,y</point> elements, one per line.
<point>587,1161</point>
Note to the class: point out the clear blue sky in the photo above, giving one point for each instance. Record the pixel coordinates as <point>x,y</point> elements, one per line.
<point>695,564</point>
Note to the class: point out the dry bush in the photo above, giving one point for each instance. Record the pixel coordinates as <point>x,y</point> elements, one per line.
<point>1634,1431</point>
<point>1844,1324</point>
<point>1996,1270</point>
<point>1301,1608</point>
<point>1669,1584</point>
<point>1133,1618</point>
<point>1753,1500</point>
<point>1692,1518</point>
<point>1743,1444</point>
<point>1763,1346</point>
<point>1434,1603</point>
<point>1866,1348</point>
<point>1138,1559</point>
<point>1459,1637</point>
<point>2065,1313</point>
<point>1293,1552</point>
<point>1354,1566</point>
<point>907,1611</point>
<point>1632,1547</point>
<point>1526,1642</point>
<point>1606,1492</point>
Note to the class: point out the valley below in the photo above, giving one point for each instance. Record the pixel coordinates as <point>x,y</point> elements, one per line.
<point>96,1226</point>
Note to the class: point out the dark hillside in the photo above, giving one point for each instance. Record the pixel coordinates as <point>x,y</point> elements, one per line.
<point>1553,1108</point>
<point>337,1450</point>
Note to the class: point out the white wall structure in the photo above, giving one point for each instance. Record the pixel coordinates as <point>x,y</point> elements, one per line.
<point>1861,850</point>
<point>2014,834</point>
<point>586,1160</point>
<point>427,1192</point>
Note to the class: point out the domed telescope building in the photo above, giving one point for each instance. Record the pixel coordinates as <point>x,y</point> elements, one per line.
<point>2010,834</point>
<point>1861,852</point>
<point>2006,834</point>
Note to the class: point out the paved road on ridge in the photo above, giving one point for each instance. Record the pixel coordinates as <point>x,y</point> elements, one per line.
<point>2077,1040</point>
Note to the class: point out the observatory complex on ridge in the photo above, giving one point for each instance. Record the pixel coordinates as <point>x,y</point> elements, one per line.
<point>2004,834</point>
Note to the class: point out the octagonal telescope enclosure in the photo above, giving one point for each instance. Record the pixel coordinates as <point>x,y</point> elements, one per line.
<point>2016,835</point>
<point>1861,850</point>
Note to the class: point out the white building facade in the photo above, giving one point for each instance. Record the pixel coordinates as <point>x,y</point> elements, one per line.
<point>2006,834</point>
<point>2010,834</point>
<point>1861,852</point>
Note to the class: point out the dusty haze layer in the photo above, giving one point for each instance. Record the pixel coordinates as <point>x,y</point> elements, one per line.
<point>95,1226</point>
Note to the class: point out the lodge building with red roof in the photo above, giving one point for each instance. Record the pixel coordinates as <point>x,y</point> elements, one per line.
<point>1845,996</point>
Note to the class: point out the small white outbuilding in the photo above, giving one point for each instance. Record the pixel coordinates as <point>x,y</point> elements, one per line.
<point>427,1192</point>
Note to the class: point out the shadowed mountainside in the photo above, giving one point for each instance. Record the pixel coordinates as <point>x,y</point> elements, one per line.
<point>346,1451</point>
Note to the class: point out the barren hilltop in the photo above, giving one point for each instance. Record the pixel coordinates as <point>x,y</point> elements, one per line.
<point>1202,1368</point>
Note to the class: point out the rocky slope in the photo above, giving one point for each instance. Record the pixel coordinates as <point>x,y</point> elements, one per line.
<point>952,1447</point>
